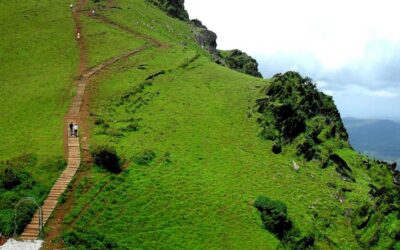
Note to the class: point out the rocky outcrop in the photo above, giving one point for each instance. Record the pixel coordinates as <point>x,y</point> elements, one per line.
<point>207,40</point>
<point>205,37</point>
<point>233,59</point>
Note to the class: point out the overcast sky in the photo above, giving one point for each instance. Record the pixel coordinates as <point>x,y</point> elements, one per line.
<point>350,48</point>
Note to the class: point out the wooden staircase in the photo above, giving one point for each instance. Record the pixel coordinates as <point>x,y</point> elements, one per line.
<point>32,231</point>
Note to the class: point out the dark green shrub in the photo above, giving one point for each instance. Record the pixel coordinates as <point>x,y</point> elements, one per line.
<point>274,216</point>
<point>277,148</point>
<point>145,157</point>
<point>175,8</point>
<point>9,178</point>
<point>105,156</point>
<point>240,61</point>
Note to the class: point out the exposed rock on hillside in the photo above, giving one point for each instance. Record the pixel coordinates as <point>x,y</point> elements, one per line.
<point>234,59</point>
<point>206,38</point>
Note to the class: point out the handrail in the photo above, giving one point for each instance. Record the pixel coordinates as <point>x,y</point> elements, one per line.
<point>31,199</point>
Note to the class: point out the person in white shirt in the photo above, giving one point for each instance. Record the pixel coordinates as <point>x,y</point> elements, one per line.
<point>76,130</point>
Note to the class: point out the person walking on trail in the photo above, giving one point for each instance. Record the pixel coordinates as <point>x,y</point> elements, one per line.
<point>78,32</point>
<point>71,6</point>
<point>93,13</point>
<point>71,129</point>
<point>76,130</point>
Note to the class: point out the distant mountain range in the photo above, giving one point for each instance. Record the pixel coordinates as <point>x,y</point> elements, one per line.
<point>377,138</point>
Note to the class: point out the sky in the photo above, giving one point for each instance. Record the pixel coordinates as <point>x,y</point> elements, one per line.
<point>350,48</point>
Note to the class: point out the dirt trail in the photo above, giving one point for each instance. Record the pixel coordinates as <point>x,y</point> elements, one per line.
<point>127,29</point>
<point>77,113</point>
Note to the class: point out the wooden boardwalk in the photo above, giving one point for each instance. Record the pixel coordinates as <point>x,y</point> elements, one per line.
<point>31,231</point>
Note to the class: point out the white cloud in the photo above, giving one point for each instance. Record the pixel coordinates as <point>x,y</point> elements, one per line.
<point>356,90</point>
<point>340,42</point>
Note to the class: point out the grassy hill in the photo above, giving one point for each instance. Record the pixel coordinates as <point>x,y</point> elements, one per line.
<point>191,139</point>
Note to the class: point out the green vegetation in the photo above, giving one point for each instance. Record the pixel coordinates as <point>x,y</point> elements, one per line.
<point>188,133</point>
<point>175,8</point>
<point>106,157</point>
<point>39,63</point>
<point>240,61</point>
<point>144,158</point>
<point>274,216</point>
<point>295,111</point>
<point>20,177</point>
<point>102,38</point>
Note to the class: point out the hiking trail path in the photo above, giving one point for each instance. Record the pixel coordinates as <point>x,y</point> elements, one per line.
<point>73,144</point>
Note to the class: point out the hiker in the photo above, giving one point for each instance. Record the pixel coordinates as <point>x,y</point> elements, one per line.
<point>93,13</point>
<point>76,130</point>
<point>71,129</point>
<point>71,6</point>
<point>78,35</point>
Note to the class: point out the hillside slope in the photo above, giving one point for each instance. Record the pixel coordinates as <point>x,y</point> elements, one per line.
<point>39,60</point>
<point>196,151</point>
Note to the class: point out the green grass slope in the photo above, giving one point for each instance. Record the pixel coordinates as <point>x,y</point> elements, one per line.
<point>39,60</point>
<point>192,142</point>
<point>195,160</point>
